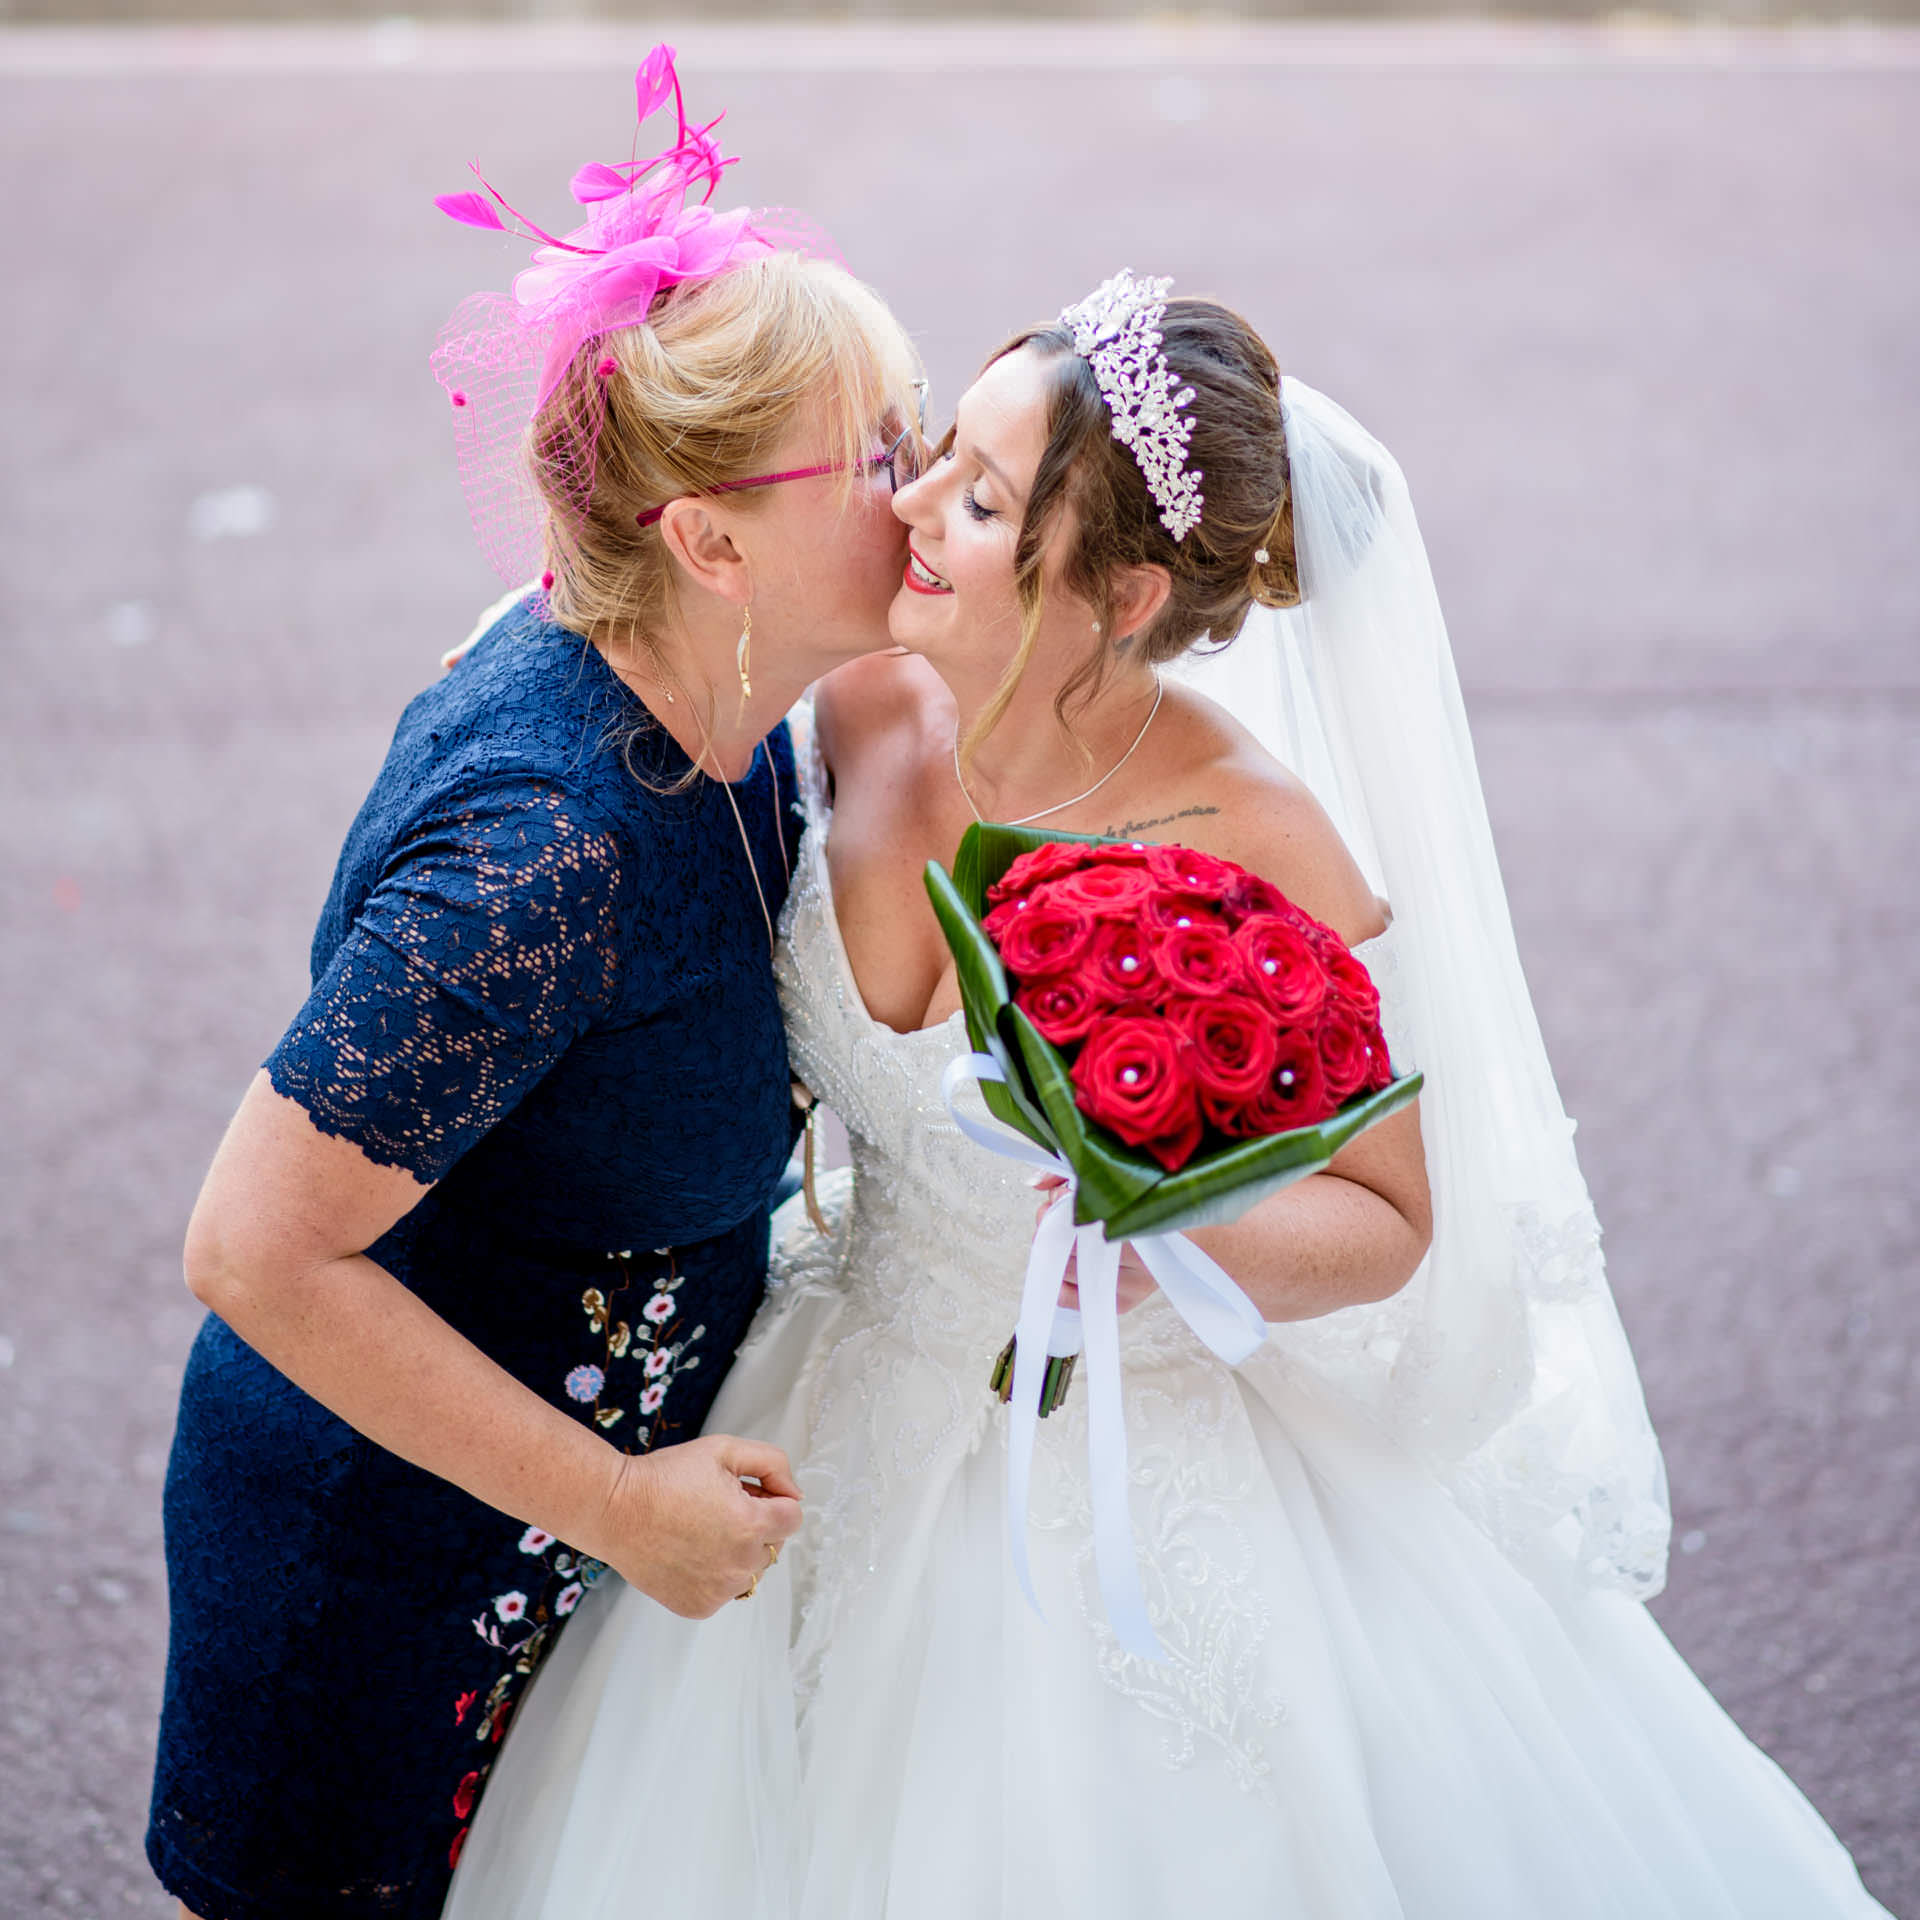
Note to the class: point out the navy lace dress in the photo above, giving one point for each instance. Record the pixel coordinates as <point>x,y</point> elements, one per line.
<point>544,985</point>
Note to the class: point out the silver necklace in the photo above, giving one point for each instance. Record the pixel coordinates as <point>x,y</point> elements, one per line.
<point>1159,688</point>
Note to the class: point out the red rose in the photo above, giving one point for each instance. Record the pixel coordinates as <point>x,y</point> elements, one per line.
<point>1283,966</point>
<point>1062,1006</point>
<point>1355,983</point>
<point>1104,889</point>
<point>1200,874</point>
<point>1167,912</point>
<point>453,1852</point>
<point>1346,1051</point>
<point>463,1795</point>
<point>1119,853</point>
<point>1045,862</point>
<point>1174,1150</point>
<point>1321,937</point>
<point>1253,895</point>
<point>1295,1094</point>
<point>1120,964</point>
<point>1132,1077</point>
<point>1200,959</point>
<point>1036,937</point>
<point>1233,1050</point>
<point>1262,896</point>
<point>1379,1066</point>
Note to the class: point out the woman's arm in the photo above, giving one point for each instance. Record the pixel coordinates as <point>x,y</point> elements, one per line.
<point>1357,1231</point>
<point>276,1249</point>
<point>1354,1233</point>
<point>1351,1234</point>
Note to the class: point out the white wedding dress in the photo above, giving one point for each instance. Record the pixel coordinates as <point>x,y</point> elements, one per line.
<point>1367,1711</point>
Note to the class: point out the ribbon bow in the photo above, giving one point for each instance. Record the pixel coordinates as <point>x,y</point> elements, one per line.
<point>1203,1294</point>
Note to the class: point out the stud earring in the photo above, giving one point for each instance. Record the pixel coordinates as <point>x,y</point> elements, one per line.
<point>1096,626</point>
<point>740,655</point>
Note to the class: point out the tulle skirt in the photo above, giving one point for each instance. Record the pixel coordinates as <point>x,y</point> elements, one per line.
<point>1374,1715</point>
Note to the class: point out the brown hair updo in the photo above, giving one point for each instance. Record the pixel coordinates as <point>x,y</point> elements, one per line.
<point>1239,449</point>
<point>699,396</point>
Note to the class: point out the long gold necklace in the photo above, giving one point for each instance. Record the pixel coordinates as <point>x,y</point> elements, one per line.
<point>746,847</point>
<point>726,787</point>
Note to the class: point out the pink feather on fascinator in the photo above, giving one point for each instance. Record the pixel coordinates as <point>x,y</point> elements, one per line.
<point>501,357</point>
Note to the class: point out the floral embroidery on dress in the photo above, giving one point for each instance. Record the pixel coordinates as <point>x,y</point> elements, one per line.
<point>652,1343</point>
<point>651,1352</point>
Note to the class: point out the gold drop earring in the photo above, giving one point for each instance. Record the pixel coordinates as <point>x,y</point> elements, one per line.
<point>740,656</point>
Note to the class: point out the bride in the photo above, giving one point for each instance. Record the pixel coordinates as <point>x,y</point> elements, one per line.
<point>1396,1560</point>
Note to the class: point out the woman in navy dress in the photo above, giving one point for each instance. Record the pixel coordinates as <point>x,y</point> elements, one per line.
<point>489,1224</point>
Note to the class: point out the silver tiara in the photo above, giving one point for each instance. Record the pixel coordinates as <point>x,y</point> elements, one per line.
<point>1116,331</point>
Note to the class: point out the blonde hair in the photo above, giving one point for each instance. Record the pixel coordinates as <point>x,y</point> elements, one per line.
<point>700,396</point>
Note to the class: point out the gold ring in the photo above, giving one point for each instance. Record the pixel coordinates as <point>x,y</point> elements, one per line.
<point>773,1553</point>
<point>751,1585</point>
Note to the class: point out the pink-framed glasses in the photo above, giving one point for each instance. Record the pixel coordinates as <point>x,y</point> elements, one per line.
<point>901,463</point>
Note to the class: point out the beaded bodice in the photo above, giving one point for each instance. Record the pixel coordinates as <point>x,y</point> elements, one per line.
<point>942,1225</point>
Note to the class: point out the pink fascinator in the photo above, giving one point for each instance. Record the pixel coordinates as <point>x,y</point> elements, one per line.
<point>501,357</point>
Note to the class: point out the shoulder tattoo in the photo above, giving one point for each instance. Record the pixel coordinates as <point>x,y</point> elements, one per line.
<point>1126,828</point>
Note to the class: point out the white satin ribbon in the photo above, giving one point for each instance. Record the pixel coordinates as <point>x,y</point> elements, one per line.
<point>1200,1291</point>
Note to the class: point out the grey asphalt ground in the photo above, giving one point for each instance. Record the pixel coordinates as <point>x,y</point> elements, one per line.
<point>1638,310</point>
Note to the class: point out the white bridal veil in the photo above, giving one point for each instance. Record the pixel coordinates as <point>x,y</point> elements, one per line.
<point>1503,1363</point>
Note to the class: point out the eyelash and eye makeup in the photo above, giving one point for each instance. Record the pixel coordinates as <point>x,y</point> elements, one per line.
<point>975,510</point>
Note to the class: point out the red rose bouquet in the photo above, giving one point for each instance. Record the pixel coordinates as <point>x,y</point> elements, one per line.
<point>1170,1026</point>
<point>1192,1002</point>
<point>1174,1039</point>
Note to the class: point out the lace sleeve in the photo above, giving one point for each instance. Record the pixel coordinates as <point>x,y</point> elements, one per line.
<point>490,941</point>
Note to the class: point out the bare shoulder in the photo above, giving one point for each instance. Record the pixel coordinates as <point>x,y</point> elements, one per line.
<point>1263,817</point>
<point>879,700</point>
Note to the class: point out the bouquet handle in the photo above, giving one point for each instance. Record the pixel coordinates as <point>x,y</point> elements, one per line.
<point>1198,1289</point>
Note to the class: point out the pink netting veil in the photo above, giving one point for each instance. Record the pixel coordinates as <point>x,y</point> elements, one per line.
<point>520,364</point>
